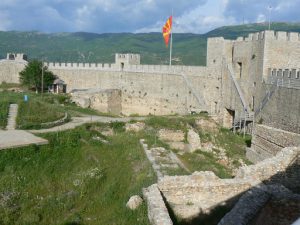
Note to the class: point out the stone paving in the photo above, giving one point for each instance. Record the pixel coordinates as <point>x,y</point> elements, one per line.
<point>162,160</point>
<point>12,115</point>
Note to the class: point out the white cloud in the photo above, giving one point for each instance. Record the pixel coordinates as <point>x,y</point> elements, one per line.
<point>5,22</point>
<point>198,20</point>
<point>101,16</point>
<point>261,18</point>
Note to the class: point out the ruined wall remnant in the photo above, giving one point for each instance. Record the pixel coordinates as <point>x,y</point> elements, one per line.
<point>268,141</point>
<point>107,101</point>
<point>200,193</point>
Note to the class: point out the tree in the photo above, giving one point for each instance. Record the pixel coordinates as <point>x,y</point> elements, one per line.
<point>31,76</point>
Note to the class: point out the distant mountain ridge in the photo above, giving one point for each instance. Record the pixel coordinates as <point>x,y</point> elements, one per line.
<point>188,49</point>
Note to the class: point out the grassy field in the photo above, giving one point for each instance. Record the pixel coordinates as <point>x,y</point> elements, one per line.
<point>85,178</point>
<point>39,108</point>
<point>74,180</point>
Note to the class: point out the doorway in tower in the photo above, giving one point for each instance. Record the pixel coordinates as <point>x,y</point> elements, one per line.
<point>240,69</point>
<point>228,118</point>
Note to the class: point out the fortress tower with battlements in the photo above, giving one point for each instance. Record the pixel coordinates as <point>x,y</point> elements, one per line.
<point>251,82</point>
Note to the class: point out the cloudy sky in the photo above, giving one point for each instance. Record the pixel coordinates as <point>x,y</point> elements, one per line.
<point>102,16</point>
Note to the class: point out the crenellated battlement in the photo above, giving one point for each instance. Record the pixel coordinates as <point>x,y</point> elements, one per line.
<point>63,65</point>
<point>271,35</point>
<point>197,70</point>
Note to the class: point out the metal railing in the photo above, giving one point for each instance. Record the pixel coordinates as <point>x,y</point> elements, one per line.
<point>266,98</point>
<point>284,82</point>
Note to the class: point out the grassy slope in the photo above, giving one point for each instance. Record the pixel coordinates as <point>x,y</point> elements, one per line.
<point>74,180</point>
<point>190,49</point>
<point>87,47</point>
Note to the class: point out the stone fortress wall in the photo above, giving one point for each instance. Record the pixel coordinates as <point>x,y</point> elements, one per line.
<point>257,77</point>
<point>148,89</point>
<point>265,67</point>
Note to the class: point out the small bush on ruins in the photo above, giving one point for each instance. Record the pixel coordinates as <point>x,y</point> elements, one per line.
<point>32,74</point>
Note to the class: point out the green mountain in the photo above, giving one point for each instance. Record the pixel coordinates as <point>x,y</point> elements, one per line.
<point>188,49</point>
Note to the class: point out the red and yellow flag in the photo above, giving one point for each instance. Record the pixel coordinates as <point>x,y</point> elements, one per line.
<point>167,30</point>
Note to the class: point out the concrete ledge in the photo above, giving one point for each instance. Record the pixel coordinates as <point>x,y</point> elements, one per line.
<point>19,138</point>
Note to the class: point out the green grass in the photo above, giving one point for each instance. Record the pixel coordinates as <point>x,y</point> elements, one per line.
<point>5,85</point>
<point>74,180</point>
<point>173,122</point>
<point>234,145</point>
<point>4,107</point>
<point>34,113</point>
<point>204,161</point>
<point>40,108</point>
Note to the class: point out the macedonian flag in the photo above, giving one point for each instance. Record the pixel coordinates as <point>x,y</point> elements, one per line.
<point>167,30</point>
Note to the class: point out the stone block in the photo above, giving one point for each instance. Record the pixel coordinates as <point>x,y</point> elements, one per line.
<point>135,127</point>
<point>171,135</point>
<point>134,202</point>
<point>193,140</point>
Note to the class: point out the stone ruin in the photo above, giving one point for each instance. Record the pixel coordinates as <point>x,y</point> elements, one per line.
<point>251,192</point>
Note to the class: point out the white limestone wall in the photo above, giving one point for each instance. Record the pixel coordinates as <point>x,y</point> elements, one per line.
<point>149,92</point>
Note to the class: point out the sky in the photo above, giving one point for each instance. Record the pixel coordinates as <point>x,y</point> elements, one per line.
<point>113,16</point>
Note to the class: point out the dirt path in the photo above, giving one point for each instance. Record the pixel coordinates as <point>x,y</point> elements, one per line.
<point>78,121</point>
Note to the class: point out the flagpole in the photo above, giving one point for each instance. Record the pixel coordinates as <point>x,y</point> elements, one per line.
<point>171,44</point>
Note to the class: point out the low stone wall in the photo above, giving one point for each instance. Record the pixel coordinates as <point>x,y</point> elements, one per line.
<point>270,167</point>
<point>55,123</point>
<point>157,210</point>
<point>106,101</point>
<point>200,193</point>
<point>284,169</point>
<point>268,141</point>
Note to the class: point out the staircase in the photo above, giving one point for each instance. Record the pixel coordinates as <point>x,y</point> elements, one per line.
<point>12,115</point>
<point>237,86</point>
<point>266,98</point>
<point>241,122</point>
<point>200,100</point>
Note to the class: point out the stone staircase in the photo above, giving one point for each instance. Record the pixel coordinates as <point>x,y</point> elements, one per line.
<point>12,115</point>
<point>197,95</point>
<point>237,86</point>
